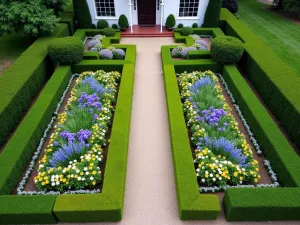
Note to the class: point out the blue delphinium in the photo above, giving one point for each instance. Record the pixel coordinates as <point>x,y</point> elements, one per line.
<point>200,83</point>
<point>224,147</point>
<point>67,153</point>
<point>94,84</point>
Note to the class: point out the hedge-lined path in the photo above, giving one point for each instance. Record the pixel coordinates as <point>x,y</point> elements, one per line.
<point>150,196</point>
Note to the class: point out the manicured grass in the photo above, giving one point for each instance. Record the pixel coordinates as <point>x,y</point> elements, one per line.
<point>11,47</point>
<point>278,33</point>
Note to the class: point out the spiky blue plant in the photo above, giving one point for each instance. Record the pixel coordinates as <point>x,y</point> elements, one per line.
<point>67,153</point>
<point>195,88</point>
<point>94,85</point>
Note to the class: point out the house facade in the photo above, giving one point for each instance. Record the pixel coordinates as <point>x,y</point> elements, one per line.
<point>148,12</point>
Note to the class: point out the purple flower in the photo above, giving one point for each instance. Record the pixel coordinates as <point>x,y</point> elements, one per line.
<point>84,135</point>
<point>94,84</point>
<point>106,54</point>
<point>68,135</point>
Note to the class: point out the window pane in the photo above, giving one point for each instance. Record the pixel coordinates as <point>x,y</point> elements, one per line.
<point>105,8</point>
<point>188,8</point>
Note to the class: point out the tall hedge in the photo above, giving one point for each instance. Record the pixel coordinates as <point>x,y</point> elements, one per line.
<point>82,14</point>
<point>212,14</point>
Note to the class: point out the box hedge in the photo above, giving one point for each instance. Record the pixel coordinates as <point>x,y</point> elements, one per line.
<point>262,204</point>
<point>16,209</point>
<point>18,151</point>
<point>23,80</point>
<point>275,82</point>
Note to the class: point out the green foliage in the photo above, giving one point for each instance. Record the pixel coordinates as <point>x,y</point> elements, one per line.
<point>115,26</point>
<point>109,32</point>
<point>56,5</point>
<point>192,205</point>
<point>186,31</point>
<point>262,204</point>
<point>226,50</point>
<point>101,24</point>
<point>284,160</point>
<point>18,91</point>
<point>82,14</point>
<point>25,16</point>
<point>171,21</point>
<point>212,14</point>
<point>67,50</point>
<point>123,21</point>
<point>195,25</point>
<point>108,205</point>
<point>276,83</point>
<point>292,6</point>
<point>231,5</point>
<point>180,25</point>
<point>15,209</point>
<point>18,151</point>
<point>94,26</point>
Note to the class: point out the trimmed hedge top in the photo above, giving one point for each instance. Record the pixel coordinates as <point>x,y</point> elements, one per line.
<point>186,31</point>
<point>226,50</point>
<point>67,50</point>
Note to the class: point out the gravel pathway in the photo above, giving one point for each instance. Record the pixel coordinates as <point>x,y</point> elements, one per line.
<point>150,197</point>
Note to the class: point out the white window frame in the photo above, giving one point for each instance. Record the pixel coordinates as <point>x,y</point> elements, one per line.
<point>187,17</point>
<point>105,17</point>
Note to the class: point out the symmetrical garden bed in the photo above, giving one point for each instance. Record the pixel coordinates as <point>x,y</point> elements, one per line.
<point>242,203</point>
<point>92,96</point>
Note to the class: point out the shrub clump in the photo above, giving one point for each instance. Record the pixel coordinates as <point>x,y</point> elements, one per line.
<point>226,50</point>
<point>186,31</point>
<point>98,37</point>
<point>123,22</point>
<point>185,51</point>
<point>231,5</point>
<point>171,21</point>
<point>106,54</point>
<point>109,32</point>
<point>195,25</point>
<point>93,42</point>
<point>118,53</point>
<point>115,26</point>
<point>101,24</point>
<point>180,25</point>
<point>67,50</point>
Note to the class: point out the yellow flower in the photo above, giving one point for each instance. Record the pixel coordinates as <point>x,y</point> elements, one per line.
<point>94,172</point>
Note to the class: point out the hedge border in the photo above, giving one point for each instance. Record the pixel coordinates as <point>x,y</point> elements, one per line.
<point>191,204</point>
<point>272,205</point>
<point>275,82</point>
<point>23,80</point>
<point>108,205</point>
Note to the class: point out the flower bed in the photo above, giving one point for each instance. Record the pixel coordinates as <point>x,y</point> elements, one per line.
<point>74,153</point>
<point>95,45</point>
<point>222,155</point>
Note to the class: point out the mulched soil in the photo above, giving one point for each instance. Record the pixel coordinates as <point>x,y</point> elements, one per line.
<point>5,64</point>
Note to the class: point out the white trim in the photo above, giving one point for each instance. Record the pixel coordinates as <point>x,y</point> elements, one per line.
<point>105,17</point>
<point>130,14</point>
<point>187,18</point>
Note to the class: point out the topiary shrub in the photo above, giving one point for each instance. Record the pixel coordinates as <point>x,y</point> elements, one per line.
<point>195,25</point>
<point>185,51</point>
<point>82,14</point>
<point>118,53</point>
<point>106,54</point>
<point>171,21</point>
<point>101,24</point>
<point>212,14</point>
<point>109,32</point>
<point>123,22</point>
<point>180,25</point>
<point>115,26</point>
<point>93,42</point>
<point>231,5</point>
<point>226,50</point>
<point>94,26</point>
<point>186,31</point>
<point>67,50</point>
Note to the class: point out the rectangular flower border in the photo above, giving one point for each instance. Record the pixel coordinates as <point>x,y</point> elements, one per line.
<point>105,206</point>
<point>285,162</point>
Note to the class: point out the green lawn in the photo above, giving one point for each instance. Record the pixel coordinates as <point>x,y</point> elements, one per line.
<point>11,47</point>
<point>280,34</point>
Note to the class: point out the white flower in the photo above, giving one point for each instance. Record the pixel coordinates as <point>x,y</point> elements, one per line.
<point>79,178</point>
<point>211,175</point>
<point>203,180</point>
<point>91,178</point>
<point>77,171</point>
<point>85,168</point>
<point>83,178</point>
<point>53,183</point>
<point>72,175</point>
<point>214,179</point>
<point>57,182</point>
<point>206,172</point>
<point>87,173</point>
